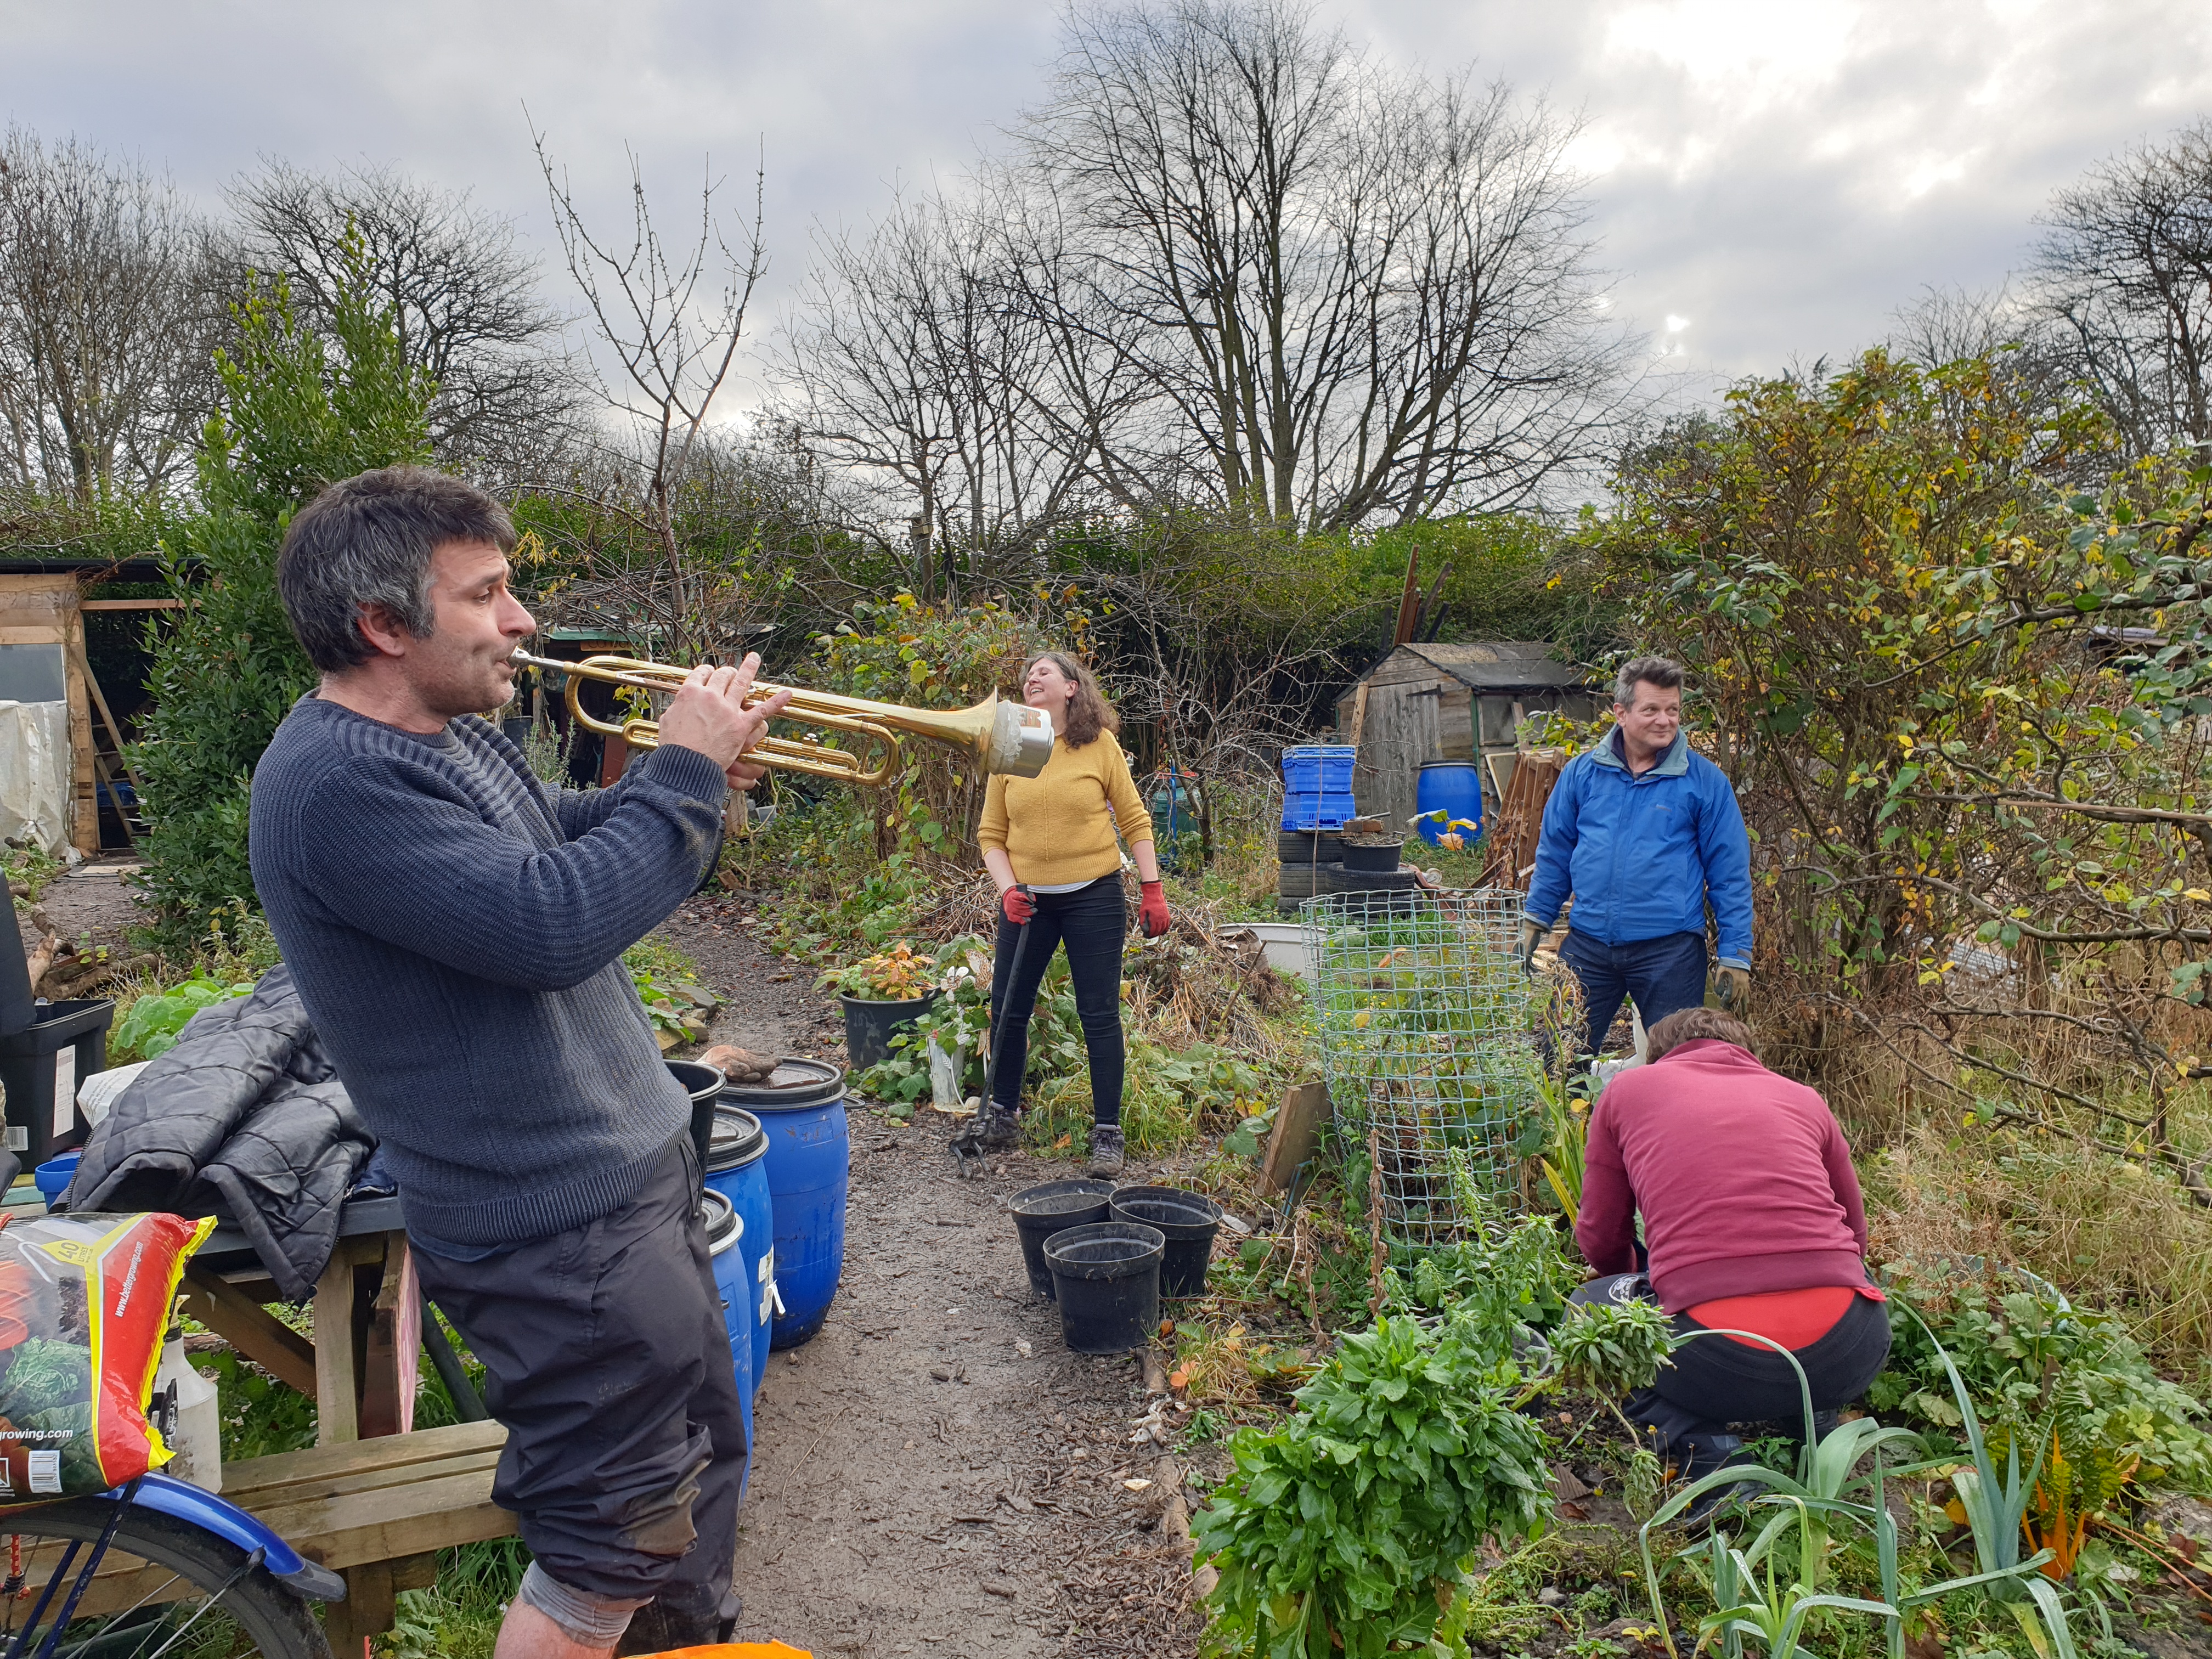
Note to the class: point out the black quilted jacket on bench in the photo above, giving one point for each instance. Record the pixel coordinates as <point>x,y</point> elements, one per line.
<point>245,1118</point>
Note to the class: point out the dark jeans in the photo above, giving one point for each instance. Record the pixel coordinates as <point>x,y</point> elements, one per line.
<point>608,1362</point>
<point>1663,975</point>
<point>1716,1381</point>
<point>1091,921</point>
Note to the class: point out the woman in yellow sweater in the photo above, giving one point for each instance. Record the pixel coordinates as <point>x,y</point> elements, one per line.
<point>1048,842</point>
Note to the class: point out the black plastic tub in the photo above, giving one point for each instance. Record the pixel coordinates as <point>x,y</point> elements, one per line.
<point>1187,1220</point>
<point>1371,853</point>
<point>869,1026</point>
<point>41,1067</point>
<point>1106,1277</point>
<point>1040,1212</point>
<point>702,1084</point>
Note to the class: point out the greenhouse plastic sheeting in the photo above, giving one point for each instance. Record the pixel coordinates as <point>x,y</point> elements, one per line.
<point>34,773</point>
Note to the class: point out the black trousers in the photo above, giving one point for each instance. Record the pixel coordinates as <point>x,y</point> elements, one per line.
<point>1716,1381</point>
<point>609,1364</point>
<point>1091,921</point>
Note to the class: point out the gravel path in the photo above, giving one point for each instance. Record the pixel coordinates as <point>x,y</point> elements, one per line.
<point>936,1473</point>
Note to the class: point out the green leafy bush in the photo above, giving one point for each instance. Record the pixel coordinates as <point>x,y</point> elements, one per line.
<point>1352,1526</point>
<point>151,1025</point>
<point>298,411</point>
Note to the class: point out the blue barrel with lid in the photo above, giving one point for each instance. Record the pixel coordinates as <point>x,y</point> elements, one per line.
<point>725,1232</point>
<point>736,1168</point>
<point>1449,800</point>
<point>801,1107</point>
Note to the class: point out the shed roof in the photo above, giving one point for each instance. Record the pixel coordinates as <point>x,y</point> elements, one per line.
<point>1495,665</point>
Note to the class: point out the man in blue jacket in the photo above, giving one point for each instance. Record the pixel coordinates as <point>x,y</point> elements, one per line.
<point>1645,834</point>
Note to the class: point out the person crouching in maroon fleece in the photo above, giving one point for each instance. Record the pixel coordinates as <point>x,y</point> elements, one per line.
<point>1752,1222</point>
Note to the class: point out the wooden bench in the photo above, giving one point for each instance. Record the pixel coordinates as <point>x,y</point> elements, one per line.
<point>375,1498</point>
<point>378,1511</point>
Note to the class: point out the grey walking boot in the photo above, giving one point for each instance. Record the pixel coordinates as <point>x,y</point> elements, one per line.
<point>1106,1152</point>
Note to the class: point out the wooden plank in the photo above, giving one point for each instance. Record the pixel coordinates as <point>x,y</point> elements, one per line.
<point>100,702</point>
<point>367,1479</point>
<point>393,1521</point>
<point>133,605</point>
<point>337,1371</point>
<point>85,785</point>
<point>393,1361</point>
<point>333,1463</point>
<point>350,1626</point>
<point>1298,1130</point>
<point>253,1331</point>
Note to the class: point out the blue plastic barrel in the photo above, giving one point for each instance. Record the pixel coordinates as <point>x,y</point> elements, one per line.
<point>1450,797</point>
<point>726,1230</point>
<point>809,1157</point>
<point>737,1168</point>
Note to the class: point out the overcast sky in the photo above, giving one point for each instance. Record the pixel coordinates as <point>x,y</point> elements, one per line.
<point>1769,178</point>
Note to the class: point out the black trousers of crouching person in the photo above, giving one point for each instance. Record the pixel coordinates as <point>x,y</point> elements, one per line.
<point>1716,1381</point>
<point>609,1364</point>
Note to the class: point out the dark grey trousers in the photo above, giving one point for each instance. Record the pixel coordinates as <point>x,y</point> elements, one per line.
<point>609,1366</point>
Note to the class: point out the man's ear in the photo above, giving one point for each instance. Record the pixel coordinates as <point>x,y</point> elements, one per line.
<point>384,632</point>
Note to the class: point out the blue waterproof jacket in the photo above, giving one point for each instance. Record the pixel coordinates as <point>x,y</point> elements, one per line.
<point>1644,855</point>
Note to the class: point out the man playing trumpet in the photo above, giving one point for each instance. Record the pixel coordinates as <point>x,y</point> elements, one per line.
<point>456,930</point>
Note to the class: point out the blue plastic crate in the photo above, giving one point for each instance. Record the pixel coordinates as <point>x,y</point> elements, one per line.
<point>1318,768</point>
<point>1316,812</point>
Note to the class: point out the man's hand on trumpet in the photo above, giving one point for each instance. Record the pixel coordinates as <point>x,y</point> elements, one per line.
<point>709,714</point>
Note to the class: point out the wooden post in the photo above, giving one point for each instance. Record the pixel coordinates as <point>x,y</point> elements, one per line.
<point>393,1362</point>
<point>1297,1127</point>
<point>337,1372</point>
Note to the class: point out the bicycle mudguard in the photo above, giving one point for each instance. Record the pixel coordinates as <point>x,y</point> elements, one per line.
<point>181,1501</point>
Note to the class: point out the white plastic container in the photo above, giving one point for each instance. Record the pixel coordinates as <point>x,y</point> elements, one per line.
<point>193,1420</point>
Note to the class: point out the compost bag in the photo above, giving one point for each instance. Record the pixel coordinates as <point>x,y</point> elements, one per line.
<point>84,1305</point>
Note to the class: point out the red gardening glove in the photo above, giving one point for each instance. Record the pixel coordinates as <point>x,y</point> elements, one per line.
<point>1153,912</point>
<point>1017,904</point>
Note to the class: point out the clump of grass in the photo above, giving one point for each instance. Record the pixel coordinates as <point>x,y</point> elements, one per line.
<point>2117,1234</point>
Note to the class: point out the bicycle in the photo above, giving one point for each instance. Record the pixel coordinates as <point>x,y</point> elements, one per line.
<point>155,1568</point>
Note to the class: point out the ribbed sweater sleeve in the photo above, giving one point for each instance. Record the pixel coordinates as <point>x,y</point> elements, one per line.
<point>408,859</point>
<point>1130,818</point>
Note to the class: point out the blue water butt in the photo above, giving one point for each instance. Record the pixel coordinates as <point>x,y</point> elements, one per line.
<point>726,1229</point>
<point>809,1156</point>
<point>737,1168</point>
<point>1448,790</point>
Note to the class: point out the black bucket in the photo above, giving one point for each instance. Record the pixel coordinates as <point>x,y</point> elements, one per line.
<point>1040,1212</point>
<point>702,1084</point>
<point>1187,1220</point>
<point>870,1025</point>
<point>1107,1278</point>
<point>1369,854</point>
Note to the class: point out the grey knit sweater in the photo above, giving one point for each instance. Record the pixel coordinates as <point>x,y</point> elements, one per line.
<point>456,929</point>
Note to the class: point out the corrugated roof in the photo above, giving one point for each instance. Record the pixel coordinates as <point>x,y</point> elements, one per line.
<point>1496,664</point>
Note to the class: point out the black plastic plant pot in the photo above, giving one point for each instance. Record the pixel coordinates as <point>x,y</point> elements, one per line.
<point>870,1025</point>
<point>1106,1277</point>
<point>702,1084</point>
<point>1041,1212</point>
<point>1372,853</point>
<point>1187,1220</point>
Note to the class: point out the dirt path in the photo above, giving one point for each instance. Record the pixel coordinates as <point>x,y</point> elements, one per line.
<point>936,1473</point>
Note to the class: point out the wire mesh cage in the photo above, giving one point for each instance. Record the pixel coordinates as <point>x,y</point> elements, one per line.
<point>1426,1016</point>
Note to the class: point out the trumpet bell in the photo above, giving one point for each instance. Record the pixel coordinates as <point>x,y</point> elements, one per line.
<point>1021,740</point>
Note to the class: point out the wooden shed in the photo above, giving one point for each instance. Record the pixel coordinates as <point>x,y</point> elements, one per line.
<point>1451,702</point>
<point>42,660</point>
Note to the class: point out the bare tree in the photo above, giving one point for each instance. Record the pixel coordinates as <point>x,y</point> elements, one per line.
<point>2123,274</point>
<point>110,309</point>
<point>675,347</point>
<point>463,295</point>
<point>1361,293</point>
<point>925,360</point>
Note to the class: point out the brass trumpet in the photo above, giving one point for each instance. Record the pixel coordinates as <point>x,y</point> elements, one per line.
<point>1002,737</point>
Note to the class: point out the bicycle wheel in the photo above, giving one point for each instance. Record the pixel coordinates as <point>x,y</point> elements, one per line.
<point>163,1589</point>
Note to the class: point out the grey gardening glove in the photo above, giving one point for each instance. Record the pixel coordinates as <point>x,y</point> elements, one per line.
<point>1532,935</point>
<point>1735,988</point>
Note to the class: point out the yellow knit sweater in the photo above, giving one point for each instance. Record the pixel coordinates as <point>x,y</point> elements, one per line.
<point>1058,826</point>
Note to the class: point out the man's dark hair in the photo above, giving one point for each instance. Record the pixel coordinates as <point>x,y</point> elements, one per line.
<point>368,541</point>
<point>1689,1024</point>
<point>1662,672</point>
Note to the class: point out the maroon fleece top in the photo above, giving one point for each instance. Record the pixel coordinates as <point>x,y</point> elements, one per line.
<point>1744,1178</point>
